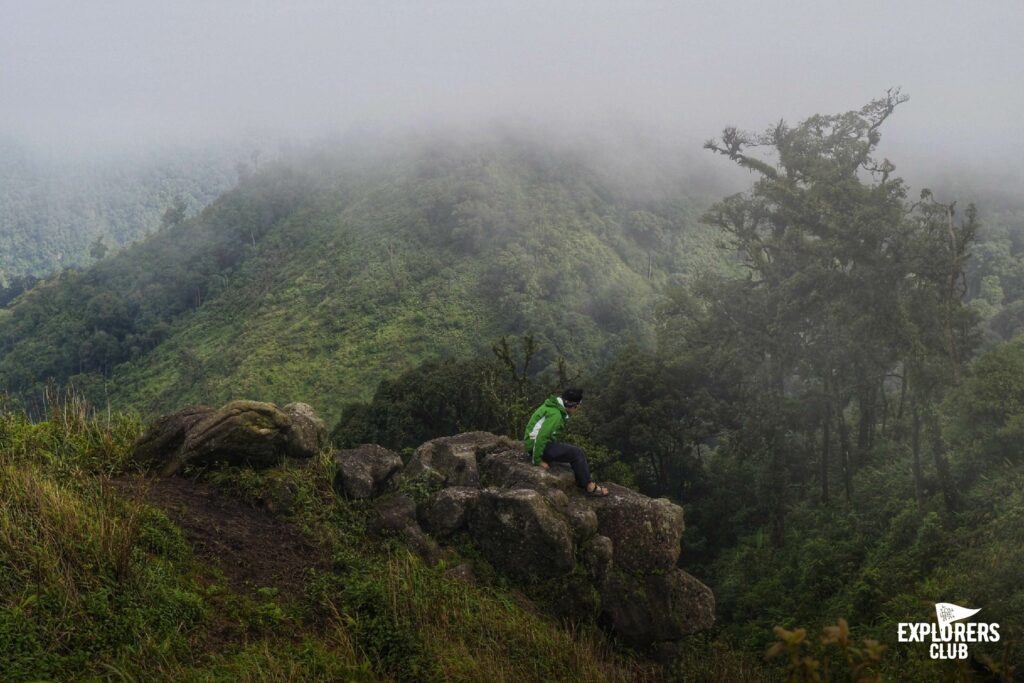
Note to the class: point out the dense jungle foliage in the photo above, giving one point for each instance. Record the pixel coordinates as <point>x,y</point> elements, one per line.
<point>823,370</point>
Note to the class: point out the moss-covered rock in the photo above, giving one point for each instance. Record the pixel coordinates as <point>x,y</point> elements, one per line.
<point>250,433</point>
<point>365,471</point>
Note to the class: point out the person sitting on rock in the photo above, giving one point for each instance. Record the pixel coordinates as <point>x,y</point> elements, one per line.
<point>541,439</point>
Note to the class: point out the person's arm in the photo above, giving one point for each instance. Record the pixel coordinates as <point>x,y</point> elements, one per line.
<point>544,436</point>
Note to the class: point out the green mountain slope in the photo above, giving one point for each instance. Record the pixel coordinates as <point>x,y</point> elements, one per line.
<point>53,208</point>
<point>317,279</point>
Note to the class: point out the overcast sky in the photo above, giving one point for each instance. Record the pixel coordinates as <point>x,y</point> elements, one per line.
<point>106,73</point>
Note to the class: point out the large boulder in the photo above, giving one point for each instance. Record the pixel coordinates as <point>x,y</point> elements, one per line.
<point>447,511</point>
<point>248,433</point>
<point>646,532</point>
<point>627,544</point>
<point>157,446</point>
<point>452,460</point>
<point>308,432</point>
<point>648,608</point>
<point>520,532</point>
<point>513,469</point>
<point>364,472</point>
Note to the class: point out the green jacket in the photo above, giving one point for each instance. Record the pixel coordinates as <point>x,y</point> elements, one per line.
<point>544,426</point>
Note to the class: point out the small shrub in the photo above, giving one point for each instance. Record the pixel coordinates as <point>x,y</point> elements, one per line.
<point>835,657</point>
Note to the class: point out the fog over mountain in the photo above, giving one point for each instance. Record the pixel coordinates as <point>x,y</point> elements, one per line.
<point>108,75</point>
<point>326,258</point>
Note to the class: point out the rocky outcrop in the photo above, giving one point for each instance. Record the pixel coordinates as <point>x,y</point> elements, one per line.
<point>247,433</point>
<point>365,471</point>
<point>519,531</point>
<point>614,558</point>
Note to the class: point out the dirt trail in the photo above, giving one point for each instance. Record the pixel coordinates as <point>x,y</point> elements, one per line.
<point>253,548</point>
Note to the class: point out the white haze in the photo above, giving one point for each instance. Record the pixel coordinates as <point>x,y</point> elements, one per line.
<point>99,76</point>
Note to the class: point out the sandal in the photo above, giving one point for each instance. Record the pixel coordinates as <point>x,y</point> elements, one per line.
<point>598,491</point>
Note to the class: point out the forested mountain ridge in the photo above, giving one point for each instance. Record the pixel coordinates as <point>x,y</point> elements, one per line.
<point>319,277</point>
<point>820,393</point>
<point>844,443</point>
<point>55,208</point>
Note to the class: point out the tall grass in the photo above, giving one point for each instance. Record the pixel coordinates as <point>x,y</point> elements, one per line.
<point>71,439</point>
<point>50,532</point>
<point>471,633</point>
<point>96,585</point>
<point>77,581</point>
<point>59,526</point>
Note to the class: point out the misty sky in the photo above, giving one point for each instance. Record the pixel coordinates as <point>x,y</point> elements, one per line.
<point>116,73</point>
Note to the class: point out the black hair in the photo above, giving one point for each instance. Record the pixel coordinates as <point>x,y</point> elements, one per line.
<point>572,397</point>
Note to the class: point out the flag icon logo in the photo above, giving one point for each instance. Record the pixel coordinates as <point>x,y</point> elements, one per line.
<point>947,613</point>
<point>951,636</point>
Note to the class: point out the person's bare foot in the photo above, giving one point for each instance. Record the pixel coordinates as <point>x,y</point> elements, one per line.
<point>594,490</point>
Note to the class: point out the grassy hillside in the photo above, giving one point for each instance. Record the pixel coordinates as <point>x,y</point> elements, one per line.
<point>110,577</point>
<point>314,280</point>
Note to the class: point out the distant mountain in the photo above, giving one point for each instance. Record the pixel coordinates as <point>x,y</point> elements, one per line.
<point>52,209</point>
<point>316,278</point>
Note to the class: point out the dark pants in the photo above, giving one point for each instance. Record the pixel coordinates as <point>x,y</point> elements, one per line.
<point>565,452</point>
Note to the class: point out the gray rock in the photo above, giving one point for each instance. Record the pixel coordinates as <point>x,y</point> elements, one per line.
<point>521,534</point>
<point>557,498</point>
<point>392,515</point>
<point>248,433</point>
<point>162,441</point>
<point>513,469</point>
<point>364,472</point>
<point>308,433</point>
<point>665,606</point>
<point>454,458</point>
<point>646,532</point>
<point>446,512</point>
<point>582,519</point>
<point>596,556</point>
<point>395,516</point>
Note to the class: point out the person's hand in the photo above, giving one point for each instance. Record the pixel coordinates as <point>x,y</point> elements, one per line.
<point>545,465</point>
